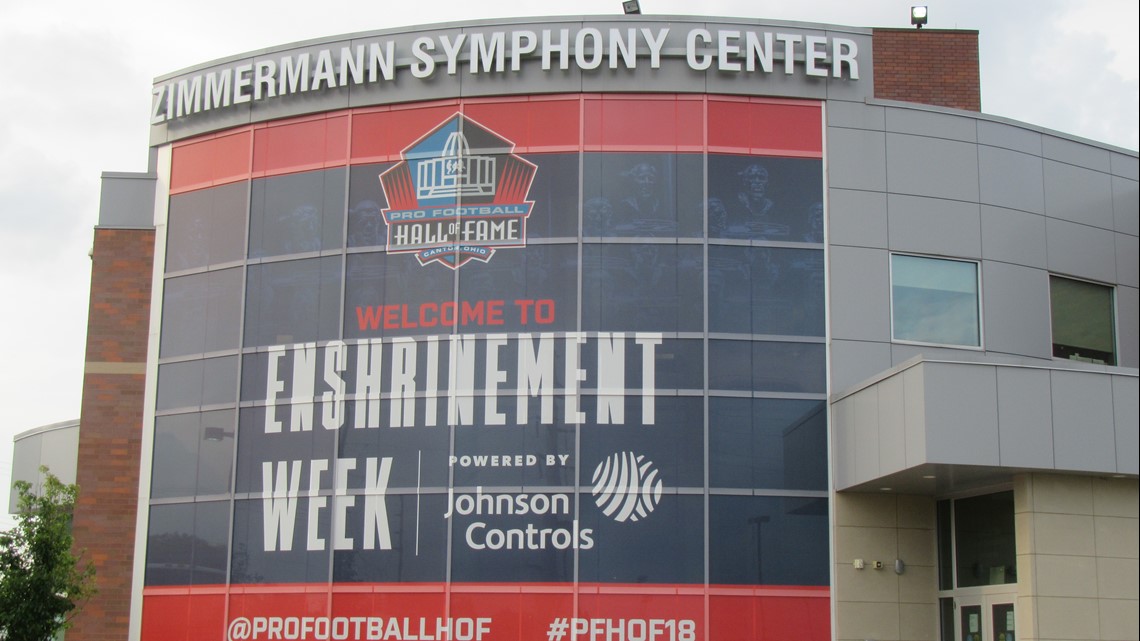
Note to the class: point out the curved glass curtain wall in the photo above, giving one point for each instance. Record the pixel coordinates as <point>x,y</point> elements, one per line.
<point>718,255</point>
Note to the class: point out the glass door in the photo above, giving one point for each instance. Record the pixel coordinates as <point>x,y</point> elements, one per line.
<point>984,617</point>
<point>1001,622</point>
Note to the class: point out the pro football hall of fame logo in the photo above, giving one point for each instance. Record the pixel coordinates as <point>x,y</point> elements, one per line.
<point>458,195</point>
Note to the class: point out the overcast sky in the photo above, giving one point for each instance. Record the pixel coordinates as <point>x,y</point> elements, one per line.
<point>75,95</point>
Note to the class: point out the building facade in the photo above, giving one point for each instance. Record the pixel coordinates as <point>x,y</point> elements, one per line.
<point>615,328</point>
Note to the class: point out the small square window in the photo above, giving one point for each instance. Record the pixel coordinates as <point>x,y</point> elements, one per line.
<point>934,300</point>
<point>1083,326</point>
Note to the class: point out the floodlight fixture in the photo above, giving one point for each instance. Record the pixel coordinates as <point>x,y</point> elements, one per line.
<point>631,7</point>
<point>216,434</point>
<point>918,16</point>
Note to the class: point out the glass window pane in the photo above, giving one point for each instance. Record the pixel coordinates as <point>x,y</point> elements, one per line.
<point>946,618</point>
<point>666,546</point>
<point>514,283</point>
<point>555,196</point>
<point>497,544</point>
<point>767,443</point>
<point>296,213</point>
<point>642,287</point>
<point>216,451</point>
<point>219,380</point>
<point>284,555</point>
<point>477,445</point>
<point>1002,621</point>
<point>293,301</point>
<point>223,310</point>
<point>672,444</point>
<point>971,622</point>
<point>179,385</point>
<point>258,449</point>
<point>768,540</point>
<point>175,456</point>
<point>193,454</point>
<point>945,547</point>
<point>766,290</point>
<point>762,366</point>
<point>935,300</point>
<point>642,195</point>
<point>186,544</point>
<point>169,544</point>
<point>212,381</point>
<point>206,227</point>
<point>419,542</point>
<point>393,295</point>
<point>678,363</point>
<point>187,230</point>
<point>366,227</point>
<point>765,198</point>
<point>183,300</point>
<point>984,540</point>
<point>211,538</point>
<point>1083,327</point>
<point>201,313</point>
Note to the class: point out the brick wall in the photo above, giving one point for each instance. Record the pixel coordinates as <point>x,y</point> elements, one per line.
<point>928,66</point>
<point>111,425</point>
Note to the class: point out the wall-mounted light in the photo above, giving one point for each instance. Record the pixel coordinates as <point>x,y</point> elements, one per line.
<point>918,16</point>
<point>216,434</point>
<point>900,567</point>
<point>631,7</point>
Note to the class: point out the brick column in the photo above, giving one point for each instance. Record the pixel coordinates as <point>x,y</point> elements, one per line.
<point>928,66</point>
<point>111,425</point>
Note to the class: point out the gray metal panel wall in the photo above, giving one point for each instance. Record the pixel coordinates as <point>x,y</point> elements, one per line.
<point>940,182</point>
<point>127,200</point>
<point>985,421</point>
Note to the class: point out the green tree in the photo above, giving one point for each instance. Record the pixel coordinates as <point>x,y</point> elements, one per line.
<point>41,582</point>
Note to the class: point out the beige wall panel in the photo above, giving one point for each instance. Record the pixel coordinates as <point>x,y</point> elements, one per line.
<point>916,511</point>
<point>866,585</point>
<point>1116,578</point>
<point>917,547</point>
<point>918,622</point>
<point>1062,494</point>
<point>860,621</point>
<point>867,543</point>
<point>1119,620</point>
<point>1065,618</point>
<point>1063,534</point>
<point>1116,497</point>
<point>1073,576</point>
<point>1117,537</point>
<point>867,510</point>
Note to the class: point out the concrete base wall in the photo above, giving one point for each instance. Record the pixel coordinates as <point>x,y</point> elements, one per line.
<point>878,603</point>
<point>1077,565</point>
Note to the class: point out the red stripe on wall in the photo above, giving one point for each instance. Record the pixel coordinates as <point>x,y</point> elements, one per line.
<point>767,127</point>
<point>665,123</point>
<point>670,123</point>
<point>536,124</point>
<point>508,611</point>
<point>210,161</point>
<point>301,145</point>
<point>380,134</point>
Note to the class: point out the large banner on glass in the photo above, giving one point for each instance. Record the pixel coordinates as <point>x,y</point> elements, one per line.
<point>501,375</point>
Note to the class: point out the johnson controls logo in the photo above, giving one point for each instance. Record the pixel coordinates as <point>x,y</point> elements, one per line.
<point>459,194</point>
<point>626,487</point>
